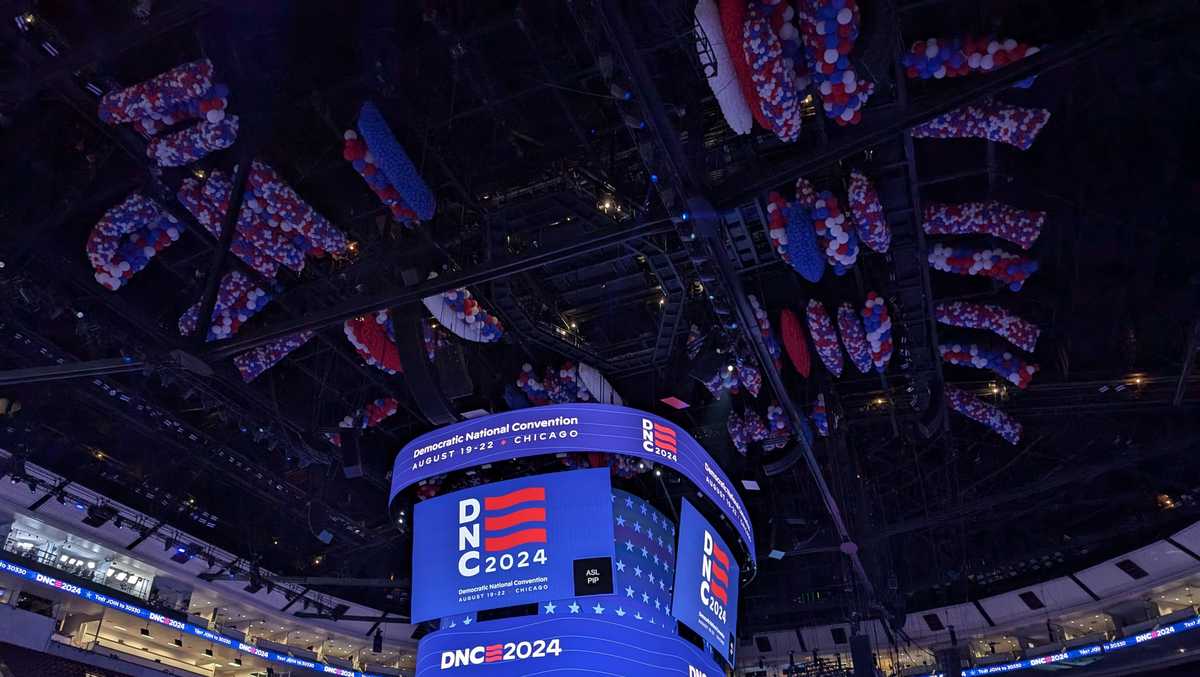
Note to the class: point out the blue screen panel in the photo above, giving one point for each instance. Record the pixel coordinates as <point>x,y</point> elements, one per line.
<point>706,582</point>
<point>569,645</point>
<point>512,542</point>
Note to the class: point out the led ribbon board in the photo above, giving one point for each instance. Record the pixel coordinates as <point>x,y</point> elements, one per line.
<point>514,542</point>
<point>706,582</point>
<point>536,645</point>
<point>180,626</point>
<point>568,428</point>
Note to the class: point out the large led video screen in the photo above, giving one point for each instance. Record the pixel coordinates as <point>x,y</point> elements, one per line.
<point>706,582</point>
<point>513,542</point>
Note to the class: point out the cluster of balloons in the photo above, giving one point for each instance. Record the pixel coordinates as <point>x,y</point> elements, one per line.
<point>276,203</point>
<point>1010,367</point>
<point>275,225</point>
<point>960,55</point>
<point>252,363</point>
<point>368,417</point>
<point>772,50</point>
<point>746,428</point>
<point>1019,226</point>
<point>972,407</point>
<point>764,328</point>
<point>996,319</point>
<point>122,243</point>
<point>558,386</point>
<point>873,228</point>
<point>997,264</point>
<point>990,120</point>
<point>820,416</point>
<point>879,330</point>
<point>354,150</point>
<point>854,338</point>
<point>375,340</point>
<point>836,235</point>
<point>238,299</point>
<point>829,29</point>
<point>723,78</point>
<point>795,342</point>
<point>460,307</point>
<point>825,338</point>
<point>388,157</point>
<point>741,373</point>
<point>186,92</point>
<point>790,229</point>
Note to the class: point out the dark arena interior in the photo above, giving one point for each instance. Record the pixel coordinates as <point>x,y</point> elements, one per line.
<point>898,300</point>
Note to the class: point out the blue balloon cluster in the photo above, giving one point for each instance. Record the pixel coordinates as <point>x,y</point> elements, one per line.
<point>391,158</point>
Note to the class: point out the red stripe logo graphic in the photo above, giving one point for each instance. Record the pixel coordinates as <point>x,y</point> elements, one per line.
<point>506,501</point>
<point>721,556</point>
<point>531,519</point>
<point>513,540</point>
<point>493,653</point>
<point>514,518</point>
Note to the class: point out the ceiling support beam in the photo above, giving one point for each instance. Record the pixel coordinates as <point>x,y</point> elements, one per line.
<point>398,296</point>
<point>1189,363</point>
<point>228,228</point>
<point>707,228</point>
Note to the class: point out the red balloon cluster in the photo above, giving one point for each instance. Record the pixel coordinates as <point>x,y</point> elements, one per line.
<point>795,342</point>
<point>375,340</point>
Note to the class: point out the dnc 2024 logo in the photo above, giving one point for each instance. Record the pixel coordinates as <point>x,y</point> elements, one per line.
<point>483,654</point>
<point>501,533</point>
<point>714,582</point>
<point>659,439</point>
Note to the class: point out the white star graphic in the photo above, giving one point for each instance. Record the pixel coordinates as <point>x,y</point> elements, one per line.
<point>628,591</point>
<point>638,615</point>
<point>645,552</point>
<point>628,502</point>
<point>651,577</point>
<point>629,545</point>
<point>467,620</point>
<point>660,585</point>
<point>550,607</point>
<point>654,517</point>
<point>660,541</point>
<point>620,611</point>
<point>652,621</point>
<point>637,571</point>
<point>643,508</point>
<point>637,527</point>
<point>620,521</point>
<point>645,598</point>
<point>453,624</point>
<point>656,559</point>
<point>598,609</point>
<point>657,604</point>
<point>620,565</point>
<point>574,607</point>
<point>669,549</point>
